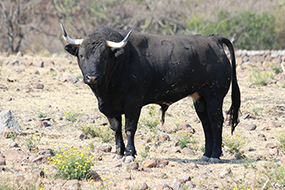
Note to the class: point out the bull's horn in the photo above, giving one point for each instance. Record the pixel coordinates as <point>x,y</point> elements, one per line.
<point>119,44</point>
<point>68,39</point>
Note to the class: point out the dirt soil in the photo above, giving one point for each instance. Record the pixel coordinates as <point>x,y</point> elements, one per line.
<point>38,86</point>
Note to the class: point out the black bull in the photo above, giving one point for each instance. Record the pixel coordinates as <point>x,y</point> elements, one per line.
<point>144,69</point>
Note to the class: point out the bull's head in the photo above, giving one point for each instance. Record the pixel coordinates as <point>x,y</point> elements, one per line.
<point>93,54</point>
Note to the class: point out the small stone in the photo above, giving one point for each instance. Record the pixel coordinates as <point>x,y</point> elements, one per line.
<point>250,149</point>
<point>36,72</point>
<point>105,148</point>
<point>143,186</point>
<point>2,160</point>
<point>187,151</point>
<point>176,184</point>
<point>271,124</point>
<point>225,172</point>
<point>38,86</point>
<point>164,137</point>
<point>8,133</point>
<point>271,145</point>
<point>149,163</point>
<point>282,159</point>
<point>116,164</point>
<point>19,69</point>
<point>38,173</point>
<point>186,178</point>
<point>163,186</point>
<point>127,176</point>
<point>262,137</point>
<point>82,136</point>
<point>193,165</point>
<point>161,162</point>
<point>251,127</point>
<point>37,158</point>
<point>128,159</point>
<point>132,166</point>
<point>12,144</point>
<point>71,184</point>
<point>95,176</point>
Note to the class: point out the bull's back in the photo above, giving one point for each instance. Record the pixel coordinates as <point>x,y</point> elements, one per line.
<point>181,65</point>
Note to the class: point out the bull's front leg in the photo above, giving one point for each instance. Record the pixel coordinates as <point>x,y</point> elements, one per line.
<point>116,126</point>
<point>130,129</point>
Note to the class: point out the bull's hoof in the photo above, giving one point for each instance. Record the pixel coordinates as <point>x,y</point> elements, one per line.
<point>214,161</point>
<point>128,159</point>
<point>204,158</point>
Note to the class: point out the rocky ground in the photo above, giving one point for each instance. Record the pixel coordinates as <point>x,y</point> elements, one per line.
<point>51,104</point>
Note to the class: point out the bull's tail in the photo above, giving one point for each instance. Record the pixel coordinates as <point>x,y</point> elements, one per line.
<point>234,109</point>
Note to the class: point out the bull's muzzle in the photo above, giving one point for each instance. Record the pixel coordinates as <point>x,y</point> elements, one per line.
<point>92,79</point>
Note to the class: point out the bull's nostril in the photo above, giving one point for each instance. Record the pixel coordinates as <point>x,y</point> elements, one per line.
<point>91,79</point>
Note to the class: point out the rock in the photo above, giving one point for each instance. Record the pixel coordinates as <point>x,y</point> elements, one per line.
<point>7,119</point>
<point>164,137</point>
<point>18,179</point>
<point>37,158</point>
<point>69,78</point>
<point>39,173</point>
<point>270,124</point>
<point>143,186</point>
<point>2,161</point>
<point>19,69</point>
<point>8,133</point>
<point>15,62</point>
<point>239,155</point>
<point>71,185</point>
<point>161,162</point>
<point>128,159</point>
<point>262,137</point>
<point>105,148</point>
<point>116,164</point>
<point>250,127</point>
<point>95,176</point>
<point>46,153</point>
<point>82,136</point>
<point>40,64</point>
<point>271,145</point>
<point>149,163</point>
<point>127,176</point>
<point>183,126</point>
<point>12,144</point>
<point>163,186</point>
<point>187,151</point>
<point>38,86</point>
<point>250,149</point>
<point>176,184</point>
<point>282,159</point>
<point>225,172</point>
<point>132,166</point>
<point>193,165</point>
<point>12,154</point>
<point>36,72</point>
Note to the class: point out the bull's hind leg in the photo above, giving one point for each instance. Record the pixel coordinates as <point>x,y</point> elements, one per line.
<point>116,126</point>
<point>203,116</point>
<point>215,114</point>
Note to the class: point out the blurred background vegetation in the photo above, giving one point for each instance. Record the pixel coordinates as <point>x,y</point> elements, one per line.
<point>33,25</point>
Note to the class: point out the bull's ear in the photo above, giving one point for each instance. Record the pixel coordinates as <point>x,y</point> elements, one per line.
<point>118,51</point>
<point>72,49</point>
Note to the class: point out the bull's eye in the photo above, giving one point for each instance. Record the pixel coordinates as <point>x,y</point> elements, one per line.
<point>81,56</point>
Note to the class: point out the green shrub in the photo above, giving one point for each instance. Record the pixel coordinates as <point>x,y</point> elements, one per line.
<point>249,29</point>
<point>71,163</point>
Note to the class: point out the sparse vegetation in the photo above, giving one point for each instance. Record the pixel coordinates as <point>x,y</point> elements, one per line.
<point>261,78</point>
<point>233,143</point>
<point>72,163</point>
